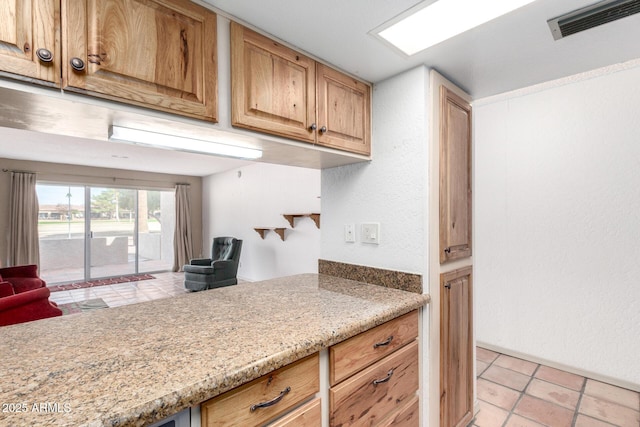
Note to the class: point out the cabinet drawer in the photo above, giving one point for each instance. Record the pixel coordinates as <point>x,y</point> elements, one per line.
<point>285,387</point>
<point>308,415</point>
<point>369,396</point>
<point>355,354</point>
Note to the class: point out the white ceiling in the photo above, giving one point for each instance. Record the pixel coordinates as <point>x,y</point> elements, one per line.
<point>511,52</point>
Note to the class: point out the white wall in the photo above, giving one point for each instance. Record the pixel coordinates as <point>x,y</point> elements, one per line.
<point>391,189</point>
<point>233,206</point>
<point>557,236</point>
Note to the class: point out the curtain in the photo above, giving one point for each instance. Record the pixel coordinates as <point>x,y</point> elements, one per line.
<point>24,245</point>
<point>182,247</point>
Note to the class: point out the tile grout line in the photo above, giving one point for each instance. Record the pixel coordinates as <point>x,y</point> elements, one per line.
<point>522,394</point>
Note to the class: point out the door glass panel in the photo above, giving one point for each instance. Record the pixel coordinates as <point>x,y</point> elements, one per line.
<point>61,232</point>
<point>155,230</point>
<point>112,246</point>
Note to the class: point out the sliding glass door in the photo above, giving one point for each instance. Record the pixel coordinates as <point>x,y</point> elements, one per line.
<point>112,232</point>
<point>61,228</point>
<point>96,232</point>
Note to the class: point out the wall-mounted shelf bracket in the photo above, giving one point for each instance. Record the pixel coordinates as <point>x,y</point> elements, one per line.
<point>314,216</point>
<point>278,230</point>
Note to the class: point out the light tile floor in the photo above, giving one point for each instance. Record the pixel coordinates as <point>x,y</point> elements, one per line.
<point>511,392</point>
<point>164,285</point>
<point>517,393</point>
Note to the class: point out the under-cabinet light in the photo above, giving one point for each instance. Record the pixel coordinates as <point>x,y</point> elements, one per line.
<point>180,143</point>
<point>439,21</point>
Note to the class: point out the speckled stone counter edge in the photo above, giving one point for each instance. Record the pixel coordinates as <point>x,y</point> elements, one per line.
<point>375,276</point>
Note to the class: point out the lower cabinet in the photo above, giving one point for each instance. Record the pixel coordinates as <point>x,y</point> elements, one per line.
<point>266,398</point>
<point>373,381</point>
<point>381,383</point>
<point>456,348</point>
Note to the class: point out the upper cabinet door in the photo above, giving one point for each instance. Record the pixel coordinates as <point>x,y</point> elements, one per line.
<point>272,86</point>
<point>343,111</point>
<point>159,54</point>
<point>455,176</point>
<point>30,40</point>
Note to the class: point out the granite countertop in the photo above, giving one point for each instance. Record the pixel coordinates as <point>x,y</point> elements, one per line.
<point>134,365</point>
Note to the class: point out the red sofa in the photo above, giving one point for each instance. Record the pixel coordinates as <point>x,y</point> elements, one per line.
<point>24,296</point>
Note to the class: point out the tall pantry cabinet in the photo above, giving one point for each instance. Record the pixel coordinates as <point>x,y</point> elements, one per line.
<point>451,278</point>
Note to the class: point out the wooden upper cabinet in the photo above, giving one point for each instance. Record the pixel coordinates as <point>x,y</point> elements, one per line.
<point>272,86</point>
<point>159,54</point>
<point>279,91</point>
<point>455,176</point>
<point>30,40</point>
<point>343,111</point>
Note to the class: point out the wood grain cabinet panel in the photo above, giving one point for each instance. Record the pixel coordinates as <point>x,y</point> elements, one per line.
<point>308,415</point>
<point>343,111</point>
<point>29,28</point>
<point>371,395</point>
<point>456,348</point>
<point>273,87</point>
<point>279,91</point>
<point>455,177</point>
<point>355,354</point>
<point>284,389</point>
<point>408,416</point>
<point>159,54</point>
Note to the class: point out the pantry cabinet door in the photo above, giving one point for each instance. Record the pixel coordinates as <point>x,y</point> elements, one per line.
<point>455,177</point>
<point>344,120</point>
<point>272,86</point>
<point>456,348</point>
<point>159,54</point>
<point>30,40</point>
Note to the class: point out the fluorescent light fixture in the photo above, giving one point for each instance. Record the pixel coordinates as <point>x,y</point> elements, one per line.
<point>180,143</point>
<point>442,20</point>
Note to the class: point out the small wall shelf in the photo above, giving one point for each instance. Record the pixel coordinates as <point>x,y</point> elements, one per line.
<point>278,230</point>
<point>314,216</point>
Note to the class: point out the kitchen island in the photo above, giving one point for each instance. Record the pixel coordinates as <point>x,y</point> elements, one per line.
<point>137,364</point>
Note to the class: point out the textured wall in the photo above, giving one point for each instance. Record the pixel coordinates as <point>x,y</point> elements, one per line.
<point>557,196</point>
<point>391,189</point>
<point>234,205</point>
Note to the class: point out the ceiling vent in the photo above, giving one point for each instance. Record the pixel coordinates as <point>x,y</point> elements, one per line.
<point>592,16</point>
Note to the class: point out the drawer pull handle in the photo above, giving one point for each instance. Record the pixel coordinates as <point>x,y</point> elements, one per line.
<point>272,401</point>
<point>385,379</point>
<point>383,343</point>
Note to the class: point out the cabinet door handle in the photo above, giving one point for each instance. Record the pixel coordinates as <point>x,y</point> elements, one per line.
<point>77,64</point>
<point>313,127</point>
<point>385,379</point>
<point>323,129</point>
<point>271,402</point>
<point>449,249</point>
<point>383,343</point>
<point>44,55</point>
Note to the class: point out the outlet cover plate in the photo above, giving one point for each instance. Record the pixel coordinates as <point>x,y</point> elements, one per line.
<point>371,233</point>
<point>350,233</point>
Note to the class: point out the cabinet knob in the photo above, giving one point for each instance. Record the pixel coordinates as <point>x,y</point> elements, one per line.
<point>313,126</point>
<point>323,129</point>
<point>44,55</point>
<point>77,64</point>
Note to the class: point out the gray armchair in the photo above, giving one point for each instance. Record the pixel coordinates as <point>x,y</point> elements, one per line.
<point>219,270</point>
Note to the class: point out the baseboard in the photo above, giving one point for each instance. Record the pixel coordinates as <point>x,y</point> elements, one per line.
<point>591,375</point>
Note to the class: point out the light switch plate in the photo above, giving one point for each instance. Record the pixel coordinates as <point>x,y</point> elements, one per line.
<point>350,233</point>
<point>371,233</point>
